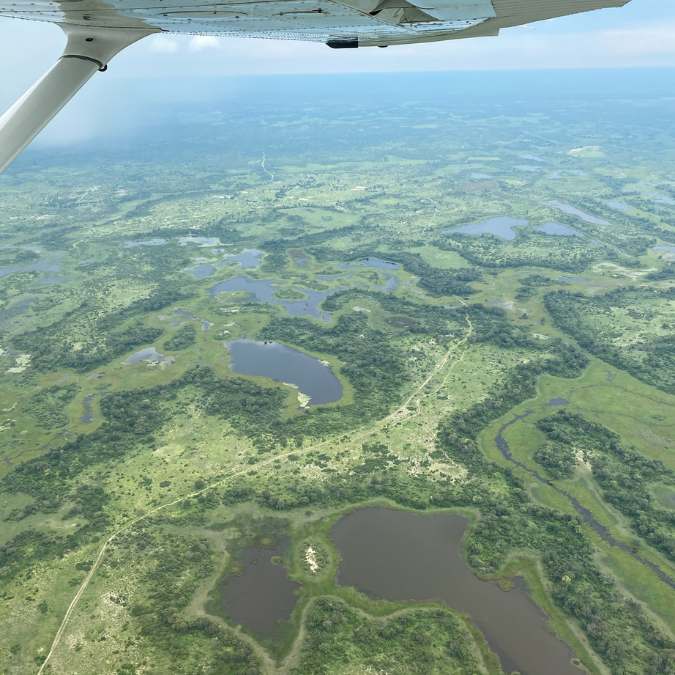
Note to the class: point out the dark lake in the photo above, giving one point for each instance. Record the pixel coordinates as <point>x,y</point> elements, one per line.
<point>399,555</point>
<point>283,364</point>
<point>500,226</point>
<point>259,595</point>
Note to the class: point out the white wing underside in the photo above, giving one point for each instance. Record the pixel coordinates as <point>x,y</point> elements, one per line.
<point>358,22</point>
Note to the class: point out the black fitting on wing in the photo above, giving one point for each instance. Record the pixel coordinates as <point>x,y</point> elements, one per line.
<point>343,43</point>
<point>102,67</point>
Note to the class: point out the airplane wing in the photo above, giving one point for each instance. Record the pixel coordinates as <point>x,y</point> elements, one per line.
<point>99,29</point>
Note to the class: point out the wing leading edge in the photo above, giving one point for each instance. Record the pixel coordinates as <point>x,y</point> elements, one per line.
<point>367,22</point>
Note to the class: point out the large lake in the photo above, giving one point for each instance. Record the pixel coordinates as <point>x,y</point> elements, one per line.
<point>283,364</point>
<point>399,556</point>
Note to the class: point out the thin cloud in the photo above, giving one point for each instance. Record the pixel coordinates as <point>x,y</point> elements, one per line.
<point>641,41</point>
<point>161,44</point>
<point>200,43</point>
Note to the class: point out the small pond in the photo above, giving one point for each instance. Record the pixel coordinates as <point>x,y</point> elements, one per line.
<point>379,263</point>
<point>618,205</point>
<point>372,262</point>
<point>259,595</point>
<point>299,258</point>
<point>87,409</point>
<point>135,243</point>
<point>47,267</point>
<point>264,291</point>
<point>202,271</point>
<point>283,364</point>
<point>500,226</point>
<point>557,230</point>
<point>203,242</point>
<point>558,401</point>
<point>151,357</point>
<point>577,213</point>
<point>662,198</point>
<point>667,249</point>
<point>400,556</point>
<point>248,259</point>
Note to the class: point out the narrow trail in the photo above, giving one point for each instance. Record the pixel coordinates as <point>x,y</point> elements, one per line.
<point>263,166</point>
<point>394,416</point>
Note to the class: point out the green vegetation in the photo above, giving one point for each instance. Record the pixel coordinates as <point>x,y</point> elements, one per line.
<point>342,640</point>
<point>82,340</point>
<point>633,328</point>
<point>624,476</point>
<point>48,405</point>
<point>183,338</point>
<point>531,251</point>
<point>526,383</point>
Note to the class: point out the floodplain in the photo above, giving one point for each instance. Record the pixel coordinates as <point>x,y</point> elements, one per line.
<point>319,390</point>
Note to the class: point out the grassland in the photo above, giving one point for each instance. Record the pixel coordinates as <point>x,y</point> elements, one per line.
<point>130,484</point>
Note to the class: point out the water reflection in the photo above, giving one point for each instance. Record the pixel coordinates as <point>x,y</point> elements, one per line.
<point>578,213</point>
<point>500,226</point>
<point>265,291</point>
<point>557,229</point>
<point>151,357</point>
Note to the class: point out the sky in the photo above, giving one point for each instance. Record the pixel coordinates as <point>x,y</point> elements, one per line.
<point>641,34</point>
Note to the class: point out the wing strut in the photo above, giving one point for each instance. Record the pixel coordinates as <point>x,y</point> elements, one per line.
<point>87,51</point>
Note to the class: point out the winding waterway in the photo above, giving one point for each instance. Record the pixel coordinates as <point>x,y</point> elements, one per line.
<point>585,514</point>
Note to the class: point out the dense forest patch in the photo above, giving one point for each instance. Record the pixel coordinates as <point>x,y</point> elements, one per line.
<point>48,405</point>
<point>86,338</point>
<point>342,639</point>
<point>571,255</point>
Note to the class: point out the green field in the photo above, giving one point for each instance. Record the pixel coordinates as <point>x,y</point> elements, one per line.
<point>524,381</point>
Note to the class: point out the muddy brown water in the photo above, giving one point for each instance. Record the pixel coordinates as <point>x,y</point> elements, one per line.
<point>403,556</point>
<point>260,596</point>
